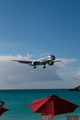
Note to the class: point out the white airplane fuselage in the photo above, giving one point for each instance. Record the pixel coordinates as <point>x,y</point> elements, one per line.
<point>42,61</point>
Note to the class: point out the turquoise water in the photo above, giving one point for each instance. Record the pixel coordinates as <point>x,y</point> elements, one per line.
<point>17,100</point>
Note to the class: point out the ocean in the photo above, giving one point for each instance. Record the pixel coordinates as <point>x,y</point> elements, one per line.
<point>17,100</point>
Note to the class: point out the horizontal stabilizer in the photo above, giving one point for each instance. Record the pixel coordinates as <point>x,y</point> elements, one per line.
<point>25,62</point>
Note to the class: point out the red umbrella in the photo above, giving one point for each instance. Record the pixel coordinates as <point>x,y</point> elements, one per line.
<point>53,105</point>
<point>2,110</point>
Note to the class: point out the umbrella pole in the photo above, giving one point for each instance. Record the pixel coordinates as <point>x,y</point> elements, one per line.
<point>53,118</point>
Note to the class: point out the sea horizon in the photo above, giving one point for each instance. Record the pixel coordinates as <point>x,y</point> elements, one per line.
<point>38,89</point>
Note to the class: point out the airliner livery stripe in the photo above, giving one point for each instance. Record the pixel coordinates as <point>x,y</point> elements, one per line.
<point>50,58</point>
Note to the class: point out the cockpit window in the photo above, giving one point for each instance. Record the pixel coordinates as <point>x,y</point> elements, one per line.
<point>53,56</point>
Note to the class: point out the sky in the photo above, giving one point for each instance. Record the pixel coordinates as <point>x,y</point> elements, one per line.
<point>40,28</point>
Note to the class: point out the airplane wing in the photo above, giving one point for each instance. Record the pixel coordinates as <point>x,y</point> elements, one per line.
<point>57,61</point>
<point>25,62</point>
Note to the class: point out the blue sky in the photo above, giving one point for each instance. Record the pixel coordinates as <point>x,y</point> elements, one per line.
<point>40,27</point>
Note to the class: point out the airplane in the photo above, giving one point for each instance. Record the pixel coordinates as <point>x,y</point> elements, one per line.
<point>42,61</point>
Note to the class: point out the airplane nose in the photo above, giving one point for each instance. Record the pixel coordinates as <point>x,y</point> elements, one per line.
<point>53,56</point>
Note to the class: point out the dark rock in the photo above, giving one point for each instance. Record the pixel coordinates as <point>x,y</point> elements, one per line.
<point>75,89</point>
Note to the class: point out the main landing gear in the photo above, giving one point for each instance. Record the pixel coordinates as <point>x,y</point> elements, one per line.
<point>44,66</point>
<point>34,67</point>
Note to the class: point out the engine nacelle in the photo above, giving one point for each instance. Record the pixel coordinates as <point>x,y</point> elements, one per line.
<point>51,63</point>
<point>33,63</point>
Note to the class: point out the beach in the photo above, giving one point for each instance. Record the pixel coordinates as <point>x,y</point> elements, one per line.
<point>17,100</point>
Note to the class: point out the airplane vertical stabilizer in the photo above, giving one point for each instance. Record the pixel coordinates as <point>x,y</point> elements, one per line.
<point>29,58</point>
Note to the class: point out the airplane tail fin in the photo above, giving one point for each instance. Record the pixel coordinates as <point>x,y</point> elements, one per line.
<point>29,58</point>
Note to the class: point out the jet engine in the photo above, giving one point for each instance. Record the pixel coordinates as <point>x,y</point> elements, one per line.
<point>33,63</point>
<point>50,63</point>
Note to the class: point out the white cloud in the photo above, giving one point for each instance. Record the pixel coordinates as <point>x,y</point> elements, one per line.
<point>78,74</point>
<point>41,54</point>
<point>16,75</point>
<point>64,62</point>
<point>10,57</point>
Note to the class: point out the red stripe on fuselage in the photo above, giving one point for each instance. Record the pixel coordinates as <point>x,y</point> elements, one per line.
<point>48,58</point>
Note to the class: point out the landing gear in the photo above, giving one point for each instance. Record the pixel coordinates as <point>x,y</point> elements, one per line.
<point>44,66</point>
<point>34,67</point>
